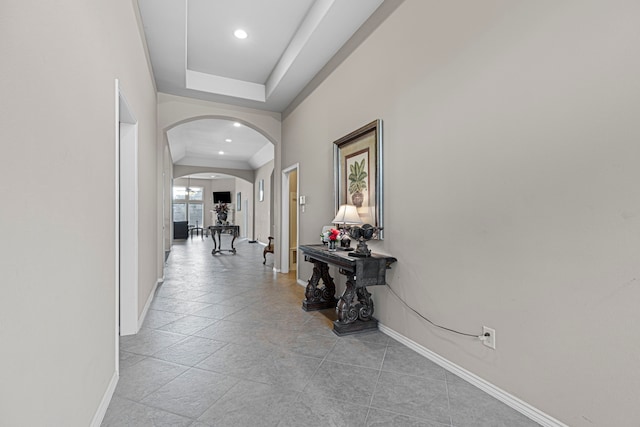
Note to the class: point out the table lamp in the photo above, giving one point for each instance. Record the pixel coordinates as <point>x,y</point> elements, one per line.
<point>347,216</point>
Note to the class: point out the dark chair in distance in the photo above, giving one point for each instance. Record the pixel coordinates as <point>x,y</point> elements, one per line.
<point>180,229</point>
<point>197,229</point>
<point>267,250</point>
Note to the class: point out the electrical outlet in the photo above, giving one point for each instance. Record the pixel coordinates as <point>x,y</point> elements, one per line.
<point>489,337</point>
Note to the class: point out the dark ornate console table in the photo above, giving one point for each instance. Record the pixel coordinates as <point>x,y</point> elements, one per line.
<point>355,307</point>
<point>217,229</point>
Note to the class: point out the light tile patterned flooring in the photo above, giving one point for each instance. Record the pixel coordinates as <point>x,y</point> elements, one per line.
<point>226,343</point>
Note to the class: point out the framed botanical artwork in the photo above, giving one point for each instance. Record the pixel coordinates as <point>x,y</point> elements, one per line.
<point>357,161</point>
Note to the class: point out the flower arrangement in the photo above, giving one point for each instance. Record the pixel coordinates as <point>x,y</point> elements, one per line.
<point>221,208</point>
<point>331,235</point>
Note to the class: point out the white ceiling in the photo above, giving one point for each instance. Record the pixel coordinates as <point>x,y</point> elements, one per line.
<point>194,54</point>
<point>201,142</point>
<point>206,176</point>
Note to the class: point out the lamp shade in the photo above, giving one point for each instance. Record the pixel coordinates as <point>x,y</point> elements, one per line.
<point>348,215</point>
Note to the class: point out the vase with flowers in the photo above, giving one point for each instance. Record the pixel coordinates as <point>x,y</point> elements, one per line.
<point>332,237</point>
<point>221,210</point>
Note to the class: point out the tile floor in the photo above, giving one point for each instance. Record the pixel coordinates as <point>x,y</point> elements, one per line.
<point>226,343</point>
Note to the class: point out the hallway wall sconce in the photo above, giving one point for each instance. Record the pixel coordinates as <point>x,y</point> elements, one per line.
<point>261,190</point>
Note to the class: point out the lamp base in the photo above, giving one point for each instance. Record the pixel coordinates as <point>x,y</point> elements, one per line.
<point>362,251</point>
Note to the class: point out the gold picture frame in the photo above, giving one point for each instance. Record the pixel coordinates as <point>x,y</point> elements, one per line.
<point>358,171</point>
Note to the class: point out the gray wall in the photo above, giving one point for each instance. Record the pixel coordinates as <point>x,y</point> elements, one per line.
<point>57,261</point>
<point>511,189</point>
<point>263,215</point>
<point>246,190</point>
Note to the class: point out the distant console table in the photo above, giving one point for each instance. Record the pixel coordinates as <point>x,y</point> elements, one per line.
<point>355,307</point>
<point>216,230</point>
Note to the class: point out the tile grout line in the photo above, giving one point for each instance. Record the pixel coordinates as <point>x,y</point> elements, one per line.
<point>319,365</point>
<point>155,407</point>
<point>446,387</point>
<point>377,381</point>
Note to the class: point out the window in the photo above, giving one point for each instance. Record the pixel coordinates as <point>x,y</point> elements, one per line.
<point>195,193</point>
<point>179,193</point>
<point>195,213</point>
<point>179,211</point>
<point>188,204</point>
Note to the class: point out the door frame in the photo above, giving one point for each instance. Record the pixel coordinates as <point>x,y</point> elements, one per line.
<point>284,229</point>
<point>126,212</point>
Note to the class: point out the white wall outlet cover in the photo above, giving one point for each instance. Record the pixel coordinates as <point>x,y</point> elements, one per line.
<point>489,337</point>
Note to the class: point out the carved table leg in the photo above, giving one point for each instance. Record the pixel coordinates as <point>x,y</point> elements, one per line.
<point>347,311</point>
<point>233,240</point>
<point>319,298</point>
<point>355,309</point>
<point>365,311</point>
<point>215,245</point>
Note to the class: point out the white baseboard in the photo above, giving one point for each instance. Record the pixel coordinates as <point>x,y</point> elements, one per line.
<point>143,315</point>
<point>104,403</point>
<point>302,283</point>
<point>506,398</point>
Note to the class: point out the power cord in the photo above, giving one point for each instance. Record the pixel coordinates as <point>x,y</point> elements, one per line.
<point>481,337</point>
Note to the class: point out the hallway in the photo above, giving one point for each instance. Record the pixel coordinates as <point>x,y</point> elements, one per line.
<point>226,343</point>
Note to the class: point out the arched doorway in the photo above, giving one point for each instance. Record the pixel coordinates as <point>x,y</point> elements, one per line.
<point>219,145</point>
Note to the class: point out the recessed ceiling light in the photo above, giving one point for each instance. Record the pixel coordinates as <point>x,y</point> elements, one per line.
<point>227,140</point>
<point>236,124</point>
<point>240,33</point>
<point>220,152</point>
